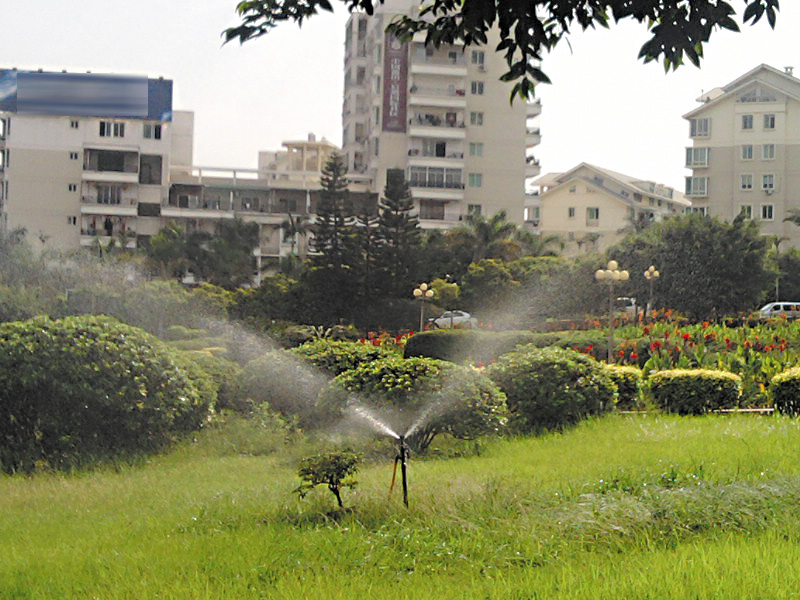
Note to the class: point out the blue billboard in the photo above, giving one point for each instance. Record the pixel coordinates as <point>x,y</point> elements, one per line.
<point>85,95</point>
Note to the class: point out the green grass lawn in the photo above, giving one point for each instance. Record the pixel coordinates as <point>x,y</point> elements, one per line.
<point>621,507</point>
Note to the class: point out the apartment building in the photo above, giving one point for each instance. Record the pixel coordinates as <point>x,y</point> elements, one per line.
<point>439,114</point>
<point>745,152</point>
<point>592,208</point>
<point>90,158</point>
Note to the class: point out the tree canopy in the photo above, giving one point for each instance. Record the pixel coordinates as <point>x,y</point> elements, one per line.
<point>529,28</point>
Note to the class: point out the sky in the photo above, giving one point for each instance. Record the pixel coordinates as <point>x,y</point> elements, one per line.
<point>604,106</point>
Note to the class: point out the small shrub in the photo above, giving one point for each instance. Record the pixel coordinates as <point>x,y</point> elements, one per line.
<point>694,391</point>
<point>465,345</point>
<point>226,376</point>
<point>628,381</point>
<point>421,397</point>
<point>549,388</point>
<point>785,391</point>
<point>334,357</point>
<point>80,389</point>
<point>331,469</point>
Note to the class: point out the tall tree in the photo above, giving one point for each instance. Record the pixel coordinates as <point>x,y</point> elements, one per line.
<point>708,267</point>
<point>292,227</point>
<point>530,28</point>
<point>399,234</point>
<point>166,252</point>
<point>333,221</point>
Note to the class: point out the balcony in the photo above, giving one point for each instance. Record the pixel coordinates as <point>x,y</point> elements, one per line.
<point>533,137</point>
<point>449,97</point>
<point>93,204</point>
<point>533,108</point>
<point>442,65</point>
<point>436,126</point>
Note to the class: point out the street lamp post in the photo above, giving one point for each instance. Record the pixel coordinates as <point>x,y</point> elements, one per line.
<point>651,275</point>
<point>610,275</point>
<point>422,293</point>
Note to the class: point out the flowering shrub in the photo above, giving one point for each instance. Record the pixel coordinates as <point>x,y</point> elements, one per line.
<point>628,381</point>
<point>694,391</point>
<point>548,388</point>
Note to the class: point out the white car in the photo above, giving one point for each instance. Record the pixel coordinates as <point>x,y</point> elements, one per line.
<point>454,318</point>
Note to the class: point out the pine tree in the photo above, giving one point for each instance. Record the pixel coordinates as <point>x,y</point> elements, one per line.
<point>399,234</point>
<point>333,221</point>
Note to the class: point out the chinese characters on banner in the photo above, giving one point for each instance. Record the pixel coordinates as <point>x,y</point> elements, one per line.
<point>395,84</point>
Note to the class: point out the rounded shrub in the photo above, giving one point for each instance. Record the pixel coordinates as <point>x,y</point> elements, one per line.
<point>420,398</point>
<point>694,391</point>
<point>225,376</point>
<point>628,381</point>
<point>334,357</point>
<point>549,388</point>
<point>79,389</point>
<point>286,383</point>
<point>785,391</point>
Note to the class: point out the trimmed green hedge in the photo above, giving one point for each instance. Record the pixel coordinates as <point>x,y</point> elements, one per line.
<point>785,391</point>
<point>334,357</point>
<point>549,388</point>
<point>694,391</point>
<point>420,398</point>
<point>81,389</point>
<point>628,381</point>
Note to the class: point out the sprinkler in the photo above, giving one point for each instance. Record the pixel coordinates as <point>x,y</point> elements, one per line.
<point>402,458</point>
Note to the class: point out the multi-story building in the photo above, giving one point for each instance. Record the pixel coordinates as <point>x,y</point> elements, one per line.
<point>591,208</point>
<point>88,158</point>
<point>439,114</point>
<point>745,153</point>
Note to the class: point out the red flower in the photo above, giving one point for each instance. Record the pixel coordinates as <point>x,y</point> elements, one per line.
<point>634,356</point>
<point>410,333</point>
<point>646,331</point>
<point>747,344</point>
<point>589,348</point>
<point>705,324</point>
<point>728,341</point>
<point>686,337</point>
<point>708,336</point>
<point>363,340</point>
<point>376,342</point>
<point>621,353</point>
<point>655,345</point>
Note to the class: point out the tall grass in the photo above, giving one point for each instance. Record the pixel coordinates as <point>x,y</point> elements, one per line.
<point>634,506</point>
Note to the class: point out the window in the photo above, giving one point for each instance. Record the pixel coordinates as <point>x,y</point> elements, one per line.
<point>476,118</point>
<point>768,182</point>
<point>699,127</point>
<point>72,187</point>
<point>767,212</point>
<point>150,169</point>
<point>288,205</point>
<point>376,146</point>
<point>573,189</point>
<point>696,186</point>
<point>431,209</point>
<point>746,182</point>
<point>747,152</point>
<point>768,151</point>
<point>476,148</point>
<point>697,157</point>
<point>72,220</point>
<point>592,213</point>
<point>769,121</point>
<point>746,210</point>
<point>531,213</point>
<point>2,129</point>
<point>747,121</point>
<point>73,123</point>
<point>73,156</point>
<point>109,194</point>
<point>571,212</point>
<point>476,87</point>
<point>478,57</point>
<point>152,131</point>
<point>109,129</point>
<point>475,180</point>
<point>473,209</point>
<point>703,210</point>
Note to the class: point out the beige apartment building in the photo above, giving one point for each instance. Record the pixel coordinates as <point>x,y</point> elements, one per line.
<point>90,158</point>
<point>745,152</point>
<point>439,114</point>
<point>591,208</point>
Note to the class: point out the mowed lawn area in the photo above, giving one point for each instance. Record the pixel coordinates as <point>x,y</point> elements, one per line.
<point>626,506</point>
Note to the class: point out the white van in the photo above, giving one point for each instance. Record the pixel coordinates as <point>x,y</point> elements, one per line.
<point>776,309</point>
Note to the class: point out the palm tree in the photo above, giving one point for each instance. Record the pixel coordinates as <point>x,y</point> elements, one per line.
<point>534,244</point>
<point>293,226</point>
<point>490,238</point>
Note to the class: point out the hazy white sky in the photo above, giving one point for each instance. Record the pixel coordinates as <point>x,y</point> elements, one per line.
<point>604,105</point>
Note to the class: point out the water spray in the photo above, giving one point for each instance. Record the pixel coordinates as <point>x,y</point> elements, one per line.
<point>402,458</point>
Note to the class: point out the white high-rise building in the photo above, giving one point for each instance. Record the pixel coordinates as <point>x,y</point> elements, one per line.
<point>745,152</point>
<point>441,115</point>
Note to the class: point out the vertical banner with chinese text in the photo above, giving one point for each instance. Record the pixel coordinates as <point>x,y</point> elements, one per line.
<point>395,84</point>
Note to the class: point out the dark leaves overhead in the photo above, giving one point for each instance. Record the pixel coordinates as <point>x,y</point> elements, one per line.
<point>529,28</point>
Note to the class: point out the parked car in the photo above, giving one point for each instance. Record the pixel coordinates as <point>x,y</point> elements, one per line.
<point>776,309</point>
<point>454,318</point>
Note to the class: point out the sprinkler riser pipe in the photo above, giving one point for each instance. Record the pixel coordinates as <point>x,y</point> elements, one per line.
<point>403,464</point>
